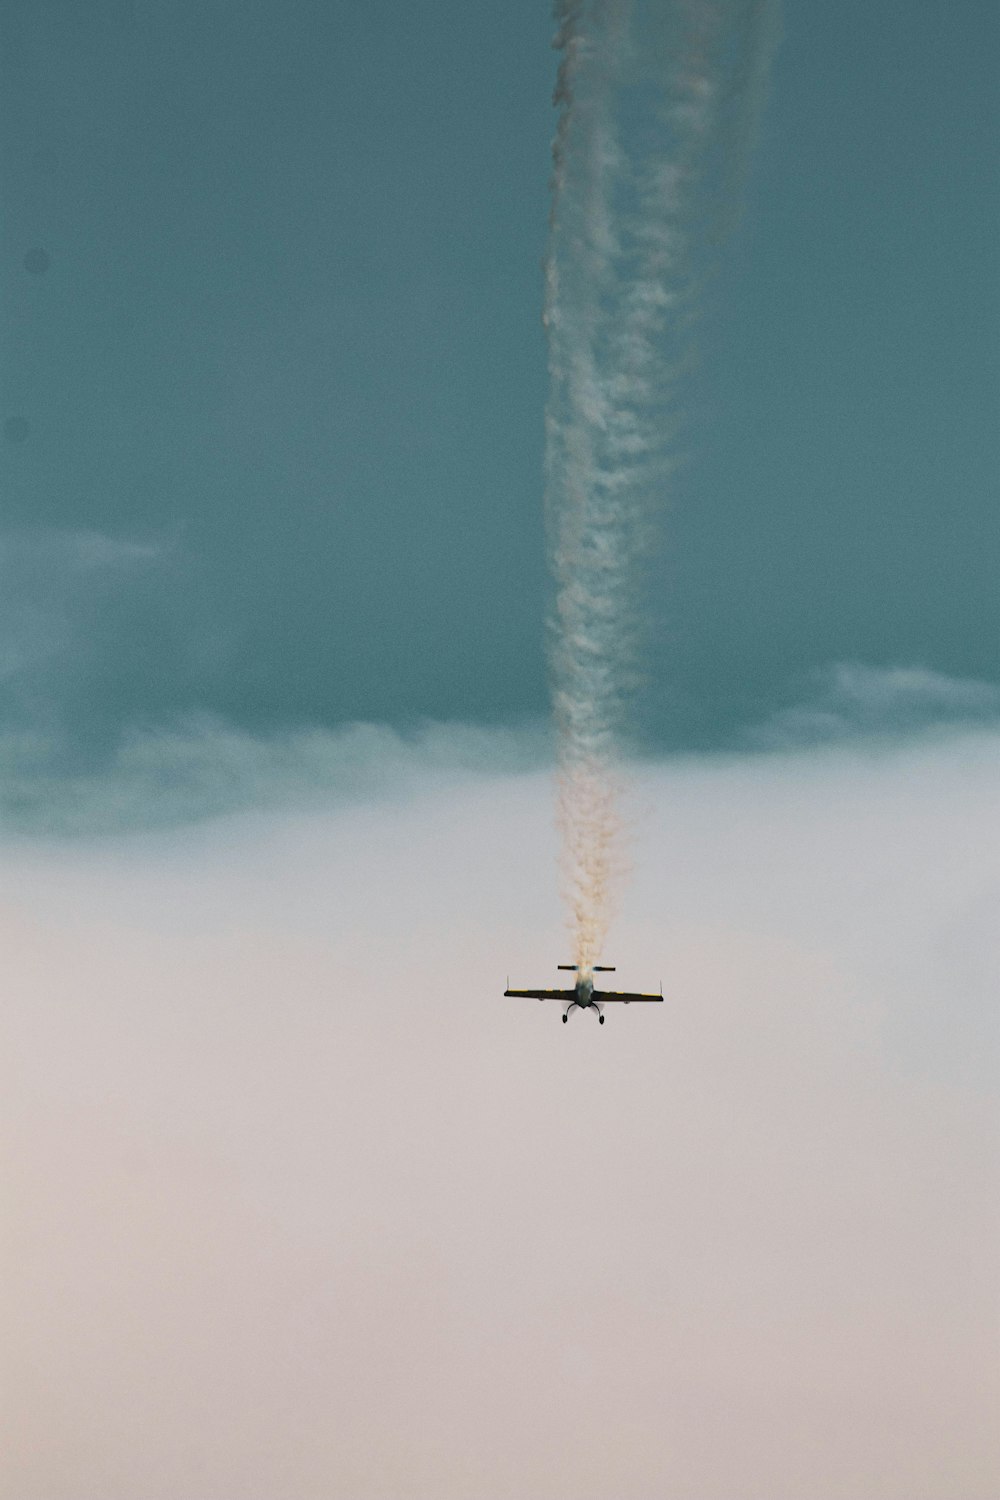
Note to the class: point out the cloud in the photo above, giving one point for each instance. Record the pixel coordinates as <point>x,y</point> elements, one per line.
<point>87,620</point>
<point>200,766</point>
<point>55,555</point>
<point>50,580</point>
<point>851,701</point>
<point>300,1206</point>
<point>205,768</point>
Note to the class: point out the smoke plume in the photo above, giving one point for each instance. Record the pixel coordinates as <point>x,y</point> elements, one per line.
<point>657,108</point>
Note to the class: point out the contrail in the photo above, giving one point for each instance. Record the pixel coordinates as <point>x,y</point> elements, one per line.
<point>658,102</point>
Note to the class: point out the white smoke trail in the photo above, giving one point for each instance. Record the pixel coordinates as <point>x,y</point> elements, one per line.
<point>657,107</point>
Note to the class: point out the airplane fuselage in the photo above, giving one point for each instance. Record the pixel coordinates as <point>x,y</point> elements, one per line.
<point>585,991</point>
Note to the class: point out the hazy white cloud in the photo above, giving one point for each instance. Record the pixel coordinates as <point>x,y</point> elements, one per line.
<point>48,579</point>
<point>301,1207</point>
<point>204,767</point>
<point>850,700</point>
<point>66,550</point>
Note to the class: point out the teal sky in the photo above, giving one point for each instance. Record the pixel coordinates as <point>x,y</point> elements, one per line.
<point>273,395</point>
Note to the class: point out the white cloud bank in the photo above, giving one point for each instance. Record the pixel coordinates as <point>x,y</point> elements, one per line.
<point>299,1206</point>
<point>205,768</point>
<point>202,767</point>
<point>851,701</point>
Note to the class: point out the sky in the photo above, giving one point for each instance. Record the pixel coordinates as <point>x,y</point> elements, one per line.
<point>274,409</point>
<point>299,1205</point>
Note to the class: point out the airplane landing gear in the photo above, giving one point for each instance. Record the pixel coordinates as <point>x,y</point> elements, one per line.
<point>600,1020</point>
<point>565,1018</point>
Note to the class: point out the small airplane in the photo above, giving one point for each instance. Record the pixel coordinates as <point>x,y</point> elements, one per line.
<point>584,996</point>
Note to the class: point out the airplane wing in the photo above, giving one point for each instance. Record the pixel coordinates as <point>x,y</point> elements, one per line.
<point>627,997</point>
<point>543,994</point>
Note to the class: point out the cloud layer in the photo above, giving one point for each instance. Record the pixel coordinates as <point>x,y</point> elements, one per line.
<point>303,1208</point>
<point>852,700</point>
<point>201,766</point>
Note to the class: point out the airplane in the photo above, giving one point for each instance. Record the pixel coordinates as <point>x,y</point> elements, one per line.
<point>583,995</point>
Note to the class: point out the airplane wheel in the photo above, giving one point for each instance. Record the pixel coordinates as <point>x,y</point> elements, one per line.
<point>601,1020</point>
<point>565,1019</point>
